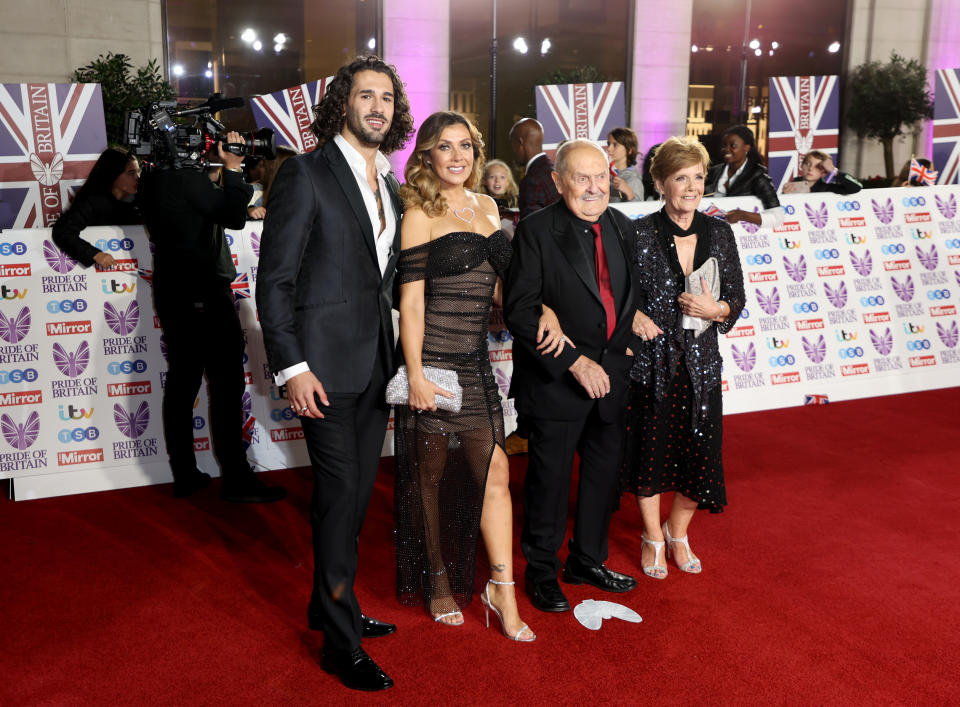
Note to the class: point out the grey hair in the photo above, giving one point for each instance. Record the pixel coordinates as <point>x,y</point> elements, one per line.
<point>562,154</point>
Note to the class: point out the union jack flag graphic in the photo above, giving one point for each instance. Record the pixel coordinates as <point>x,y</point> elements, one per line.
<point>804,116</point>
<point>241,287</point>
<point>290,112</point>
<point>815,399</point>
<point>946,126</point>
<point>50,136</point>
<point>579,110</point>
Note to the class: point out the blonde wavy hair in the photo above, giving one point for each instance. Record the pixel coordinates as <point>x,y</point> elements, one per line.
<point>422,187</point>
<point>512,191</point>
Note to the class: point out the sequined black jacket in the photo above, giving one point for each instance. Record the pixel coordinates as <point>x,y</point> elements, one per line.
<point>661,281</point>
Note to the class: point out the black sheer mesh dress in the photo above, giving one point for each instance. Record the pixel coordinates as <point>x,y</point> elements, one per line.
<point>442,457</point>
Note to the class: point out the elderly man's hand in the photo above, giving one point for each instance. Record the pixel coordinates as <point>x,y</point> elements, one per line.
<point>591,376</point>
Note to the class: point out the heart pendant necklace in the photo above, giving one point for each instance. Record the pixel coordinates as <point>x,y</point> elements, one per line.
<point>466,214</point>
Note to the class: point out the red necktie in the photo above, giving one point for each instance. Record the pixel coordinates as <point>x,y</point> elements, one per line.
<point>603,281</point>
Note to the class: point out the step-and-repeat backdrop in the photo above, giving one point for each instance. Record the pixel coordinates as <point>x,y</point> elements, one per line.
<point>851,297</point>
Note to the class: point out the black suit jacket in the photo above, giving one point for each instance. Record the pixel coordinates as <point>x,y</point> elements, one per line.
<point>537,188</point>
<point>551,266</point>
<point>320,294</point>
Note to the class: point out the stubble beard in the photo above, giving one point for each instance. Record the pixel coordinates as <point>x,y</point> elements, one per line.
<point>364,134</point>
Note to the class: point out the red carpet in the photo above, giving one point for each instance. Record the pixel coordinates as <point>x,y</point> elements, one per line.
<point>831,579</point>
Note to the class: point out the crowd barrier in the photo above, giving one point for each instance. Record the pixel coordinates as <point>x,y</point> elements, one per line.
<point>851,297</point>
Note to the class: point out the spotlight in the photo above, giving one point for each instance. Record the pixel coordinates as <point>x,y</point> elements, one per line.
<point>758,52</point>
<point>257,45</point>
<point>694,48</point>
<point>775,45</point>
<point>178,70</point>
<point>277,48</point>
<point>372,43</point>
<point>520,45</point>
<point>754,43</point>
<point>248,35</point>
<point>545,46</point>
<point>208,74</point>
<point>280,38</point>
<point>834,47</point>
<point>755,109</point>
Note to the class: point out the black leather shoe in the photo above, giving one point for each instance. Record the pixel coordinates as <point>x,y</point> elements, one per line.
<point>188,483</point>
<point>547,596</point>
<point>575,572</point>
<point>369,626</point>
<point>356,670</point>
<point>249,489</point>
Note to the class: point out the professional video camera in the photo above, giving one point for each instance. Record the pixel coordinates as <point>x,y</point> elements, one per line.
<point>152,134</point>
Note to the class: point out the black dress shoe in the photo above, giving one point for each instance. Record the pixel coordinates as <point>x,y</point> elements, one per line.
<point>188,483</point>
<point>356,670</point>
<point>547,596</point>
<point>369,626</point>
<point>575,572</point>
<point>249,489</point>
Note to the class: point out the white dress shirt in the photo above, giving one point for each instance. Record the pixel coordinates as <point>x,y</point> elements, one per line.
<point>383,240</point>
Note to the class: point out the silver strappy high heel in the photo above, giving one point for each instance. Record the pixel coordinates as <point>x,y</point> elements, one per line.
<point>488,607</point>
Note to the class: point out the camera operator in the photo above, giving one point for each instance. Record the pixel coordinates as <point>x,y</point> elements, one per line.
<point>185,214</point>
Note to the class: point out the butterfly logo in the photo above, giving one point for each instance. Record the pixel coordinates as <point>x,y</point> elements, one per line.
<point>132,424</point>
<point>883,343</point>
<point>746,359</point>
<point>163,348</point>
<point>48,174</point>
<point>503,382</point>
<point>255,243</point>
<point>816,351</point>
<point>948,335</point>
<point>947,206</point>
<point>797,271</point>
<point>904,290</point>
<point>72,363</point>
<point>862,265</point>
<point>818,217</point>
<point>769,304</point>
<point>20,436</point>
<point>884,212</point>
<point>750,227</point>
<point>927,260</point>
<point>122,321</point>
<point>838,296</point>
<point>58,260</point>
<point>15,329</point>
<point>246,405</point>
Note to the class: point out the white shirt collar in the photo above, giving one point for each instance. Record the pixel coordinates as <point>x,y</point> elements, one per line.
<point>536,156</point>
<point>358,161</point>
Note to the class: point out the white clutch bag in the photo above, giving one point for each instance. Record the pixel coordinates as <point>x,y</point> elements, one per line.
<point>711,272</point>
<point>398,389</point>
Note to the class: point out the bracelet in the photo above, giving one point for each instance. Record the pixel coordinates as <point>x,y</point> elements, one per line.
<point>722,308</point>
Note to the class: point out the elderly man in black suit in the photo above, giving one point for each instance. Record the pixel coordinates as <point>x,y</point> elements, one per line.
<point>574,256</point>
<point>324,292</point>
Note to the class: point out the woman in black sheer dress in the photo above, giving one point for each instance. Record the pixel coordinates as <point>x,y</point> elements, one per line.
<point>452,472</point>
<point>675,418</point>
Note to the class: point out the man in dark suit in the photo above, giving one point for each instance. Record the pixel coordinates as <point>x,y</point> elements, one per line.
<point>324,292</point>
<point>536,188</point>
<point>574,256</point>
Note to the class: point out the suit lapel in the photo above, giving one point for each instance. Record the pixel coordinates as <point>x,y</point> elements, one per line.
<point>627,302</point>
<point>348,183</point>
<point>570,244</point>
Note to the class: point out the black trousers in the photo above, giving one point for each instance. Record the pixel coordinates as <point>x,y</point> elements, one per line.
<point>202,335</point>
<point>546,491</point>
<point>344,449</point>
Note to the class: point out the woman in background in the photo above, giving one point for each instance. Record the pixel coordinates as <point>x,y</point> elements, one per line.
<point>105,199</point>
<point>626,182</point>
<point>743,174</point>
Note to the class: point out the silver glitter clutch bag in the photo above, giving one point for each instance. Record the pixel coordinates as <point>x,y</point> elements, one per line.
<point>711,272</point>
<point>398,389</point>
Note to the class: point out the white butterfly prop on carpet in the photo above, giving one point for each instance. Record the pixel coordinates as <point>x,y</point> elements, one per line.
<point>591,613</point>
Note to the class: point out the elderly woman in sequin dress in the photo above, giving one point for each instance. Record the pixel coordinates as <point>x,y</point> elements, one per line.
<point>674,442</point>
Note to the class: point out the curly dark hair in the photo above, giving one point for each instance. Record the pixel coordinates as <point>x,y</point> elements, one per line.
<point>329,114</point>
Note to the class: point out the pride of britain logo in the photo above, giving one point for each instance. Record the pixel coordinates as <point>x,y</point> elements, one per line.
<point>884,212</point>
<point>883,343</point>
<point>796,271</point>
<point>745,359</point>
<point>818,217</point>
<point>816,350</point>
<point>903,289</point>
<point>20,436</point>
<point>132,424</point>
<point>948,334</point>
<point>14,329</point>
<point>927,259</point>
<point>71,363</point>
<point>770,304</point>
<point>947,206</point>
<point>122,320</point>
<point>836,295</point>
<point>59,262</point>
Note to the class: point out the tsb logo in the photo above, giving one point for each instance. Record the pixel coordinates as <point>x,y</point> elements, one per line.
<point>952,243</point>
<point>18,375</point>
<point>848,206</point>
<point>826,253</point>
<point>805,307</point>
<point>279,414</point>
<point>872,301</point>
<point>66,306</point>
<point>17,248</point>
<point>779,361</point>
<point>759,259</point>
<point>918,345</point>
<point>851,352</point>
<point>114,244</point>
<point>938,294</point>
<point>78,434</point>
<point>914,201</point>
<point>117,368</point>
<point>892,248</point>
